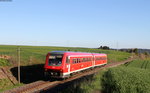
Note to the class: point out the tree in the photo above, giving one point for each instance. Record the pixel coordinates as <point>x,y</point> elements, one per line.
<point>104,47</point>
<point>135,51</point>
<point>146,54</point>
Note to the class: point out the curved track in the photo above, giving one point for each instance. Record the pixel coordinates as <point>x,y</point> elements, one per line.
<point>45,86</point>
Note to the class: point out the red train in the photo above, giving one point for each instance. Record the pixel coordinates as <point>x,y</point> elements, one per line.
<point>61,64</point>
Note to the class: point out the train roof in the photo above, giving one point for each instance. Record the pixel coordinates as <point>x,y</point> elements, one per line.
<point>71,52</point>
<point>58,52</point>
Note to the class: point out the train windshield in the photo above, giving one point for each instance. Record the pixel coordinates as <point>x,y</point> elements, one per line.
<point>55,60</point>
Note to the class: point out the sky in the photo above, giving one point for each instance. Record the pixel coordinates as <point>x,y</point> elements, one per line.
<point>75,23</point>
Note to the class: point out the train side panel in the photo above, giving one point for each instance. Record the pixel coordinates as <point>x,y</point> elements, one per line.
<point>100,59</point>
<point>80,63</point>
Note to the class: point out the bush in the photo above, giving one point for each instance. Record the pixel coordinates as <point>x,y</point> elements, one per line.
<point>126,80</point>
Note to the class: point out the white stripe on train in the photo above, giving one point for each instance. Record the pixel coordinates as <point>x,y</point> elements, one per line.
<point>68,73</point>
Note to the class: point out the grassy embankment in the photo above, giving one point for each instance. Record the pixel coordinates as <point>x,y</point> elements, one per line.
<point>6,84</point>
<point>133,77</point>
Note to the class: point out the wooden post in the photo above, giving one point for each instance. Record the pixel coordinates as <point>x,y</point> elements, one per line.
<point>18,64</point>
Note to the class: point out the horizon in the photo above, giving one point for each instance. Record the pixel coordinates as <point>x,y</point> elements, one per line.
<point>67,47</point>
<point>87,23</point>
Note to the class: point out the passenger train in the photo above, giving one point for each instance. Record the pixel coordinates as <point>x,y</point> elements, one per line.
<point>61,64</point>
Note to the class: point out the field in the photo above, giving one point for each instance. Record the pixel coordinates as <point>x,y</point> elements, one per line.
<point>141,64</point>
<point>132,77</point>
<point>36,54</point>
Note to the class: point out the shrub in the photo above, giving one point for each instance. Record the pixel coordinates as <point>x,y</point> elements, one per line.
<point>126,80</point>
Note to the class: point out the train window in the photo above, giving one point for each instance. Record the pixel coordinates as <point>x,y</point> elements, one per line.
<point>100,58</point>
<point>89,59</point>
<point>75,60</point>
<point>83,59</point>
<point>79,60</point>
<point>103,58</point>
<point>86,59</point>
<point>55,60</point>
<point>96,58</point>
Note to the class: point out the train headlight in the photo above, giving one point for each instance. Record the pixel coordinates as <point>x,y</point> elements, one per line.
<point>52,73</point>
<point>61,70</point>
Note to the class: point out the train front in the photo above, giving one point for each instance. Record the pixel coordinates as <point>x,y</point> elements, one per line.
<point>54,65</point>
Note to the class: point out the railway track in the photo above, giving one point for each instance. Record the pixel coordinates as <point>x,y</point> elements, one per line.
<point>44,86</point>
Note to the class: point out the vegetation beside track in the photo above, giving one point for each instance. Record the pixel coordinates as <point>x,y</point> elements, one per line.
<point>133,77</point>
<point>6,84</point>
<point>141,64</point>
<point>88,84</point>
<point>126,80</point>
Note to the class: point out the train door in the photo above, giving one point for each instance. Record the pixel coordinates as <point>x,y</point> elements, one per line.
<point>93,62</point>
<point>68,64</point>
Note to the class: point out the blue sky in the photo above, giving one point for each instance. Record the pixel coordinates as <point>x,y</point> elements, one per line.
<point>76,23</point>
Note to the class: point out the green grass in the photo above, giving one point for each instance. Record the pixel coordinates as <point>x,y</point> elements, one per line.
<point>94,84</point>
<point>133,77</point>
<point>4,62</point>
<point>142,64</point>
<point>88,84</point>
<point>126,80</point>
<point>6,84</point>
<point>36,54</point>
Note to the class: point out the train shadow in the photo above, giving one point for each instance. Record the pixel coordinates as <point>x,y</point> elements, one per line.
<point>29,74</point>
<point>73,86</point>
